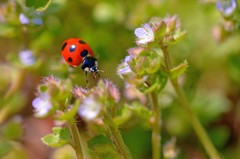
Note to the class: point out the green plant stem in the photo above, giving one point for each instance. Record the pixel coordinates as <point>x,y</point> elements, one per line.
<point>156,127</point>
<point>122,148</point>
<point>117,140</point>
<point>197,126</point>
<point>76,140</point>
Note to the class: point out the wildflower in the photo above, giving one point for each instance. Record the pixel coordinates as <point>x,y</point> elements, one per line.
<point>26,57</point>
<point>144,34</point>
<point>226,7</point>
<point>89,109</point>
<point>42,105</point>
<point>124,69</point>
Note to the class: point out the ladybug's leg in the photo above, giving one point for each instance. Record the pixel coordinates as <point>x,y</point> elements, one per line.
<point>86,78</point>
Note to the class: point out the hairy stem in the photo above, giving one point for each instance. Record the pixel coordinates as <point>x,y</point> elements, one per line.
<point>197,126</point>
<point>156,127</point>
<point>122,148</point>
<point>76,140</point>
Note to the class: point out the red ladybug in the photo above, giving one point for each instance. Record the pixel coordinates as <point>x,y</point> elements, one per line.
<point>75,52</point>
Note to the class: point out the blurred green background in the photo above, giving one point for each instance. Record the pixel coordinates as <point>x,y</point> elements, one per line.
<point>212,82</point>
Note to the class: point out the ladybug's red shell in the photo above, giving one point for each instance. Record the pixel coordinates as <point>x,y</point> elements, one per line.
<point>74,49</point>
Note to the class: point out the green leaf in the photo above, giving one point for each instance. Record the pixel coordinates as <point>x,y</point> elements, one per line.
<point>178,35</point>
<point>60,137</point>
<point>39,5</point>
<point>179,70</point>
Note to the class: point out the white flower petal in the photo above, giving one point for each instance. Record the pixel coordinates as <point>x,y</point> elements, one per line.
<point>140,32</point>
<point>127,59</point>
<point>148,29</point>
<point>144,34</point>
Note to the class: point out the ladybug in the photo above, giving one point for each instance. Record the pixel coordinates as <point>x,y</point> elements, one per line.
<point>75,52</point>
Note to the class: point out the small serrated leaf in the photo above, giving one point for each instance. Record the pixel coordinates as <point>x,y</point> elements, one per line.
<point>178,35</point>
<point>51,140</point>
<point>179,70</point>
<point>60,137</point>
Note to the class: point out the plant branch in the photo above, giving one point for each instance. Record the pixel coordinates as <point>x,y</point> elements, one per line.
<point>76,140</point>
<point>156,127</point>
<point>117,140</point>
<point>197,126</point>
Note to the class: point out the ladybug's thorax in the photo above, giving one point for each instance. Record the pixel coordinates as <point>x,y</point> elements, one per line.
<point>90,64</point>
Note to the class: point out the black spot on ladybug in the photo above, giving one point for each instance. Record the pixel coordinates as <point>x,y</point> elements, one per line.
<point>72,48</point>
<point>84,53</point>
<point>64,45</point>
<point>81,42</point>
<point>70,59</point>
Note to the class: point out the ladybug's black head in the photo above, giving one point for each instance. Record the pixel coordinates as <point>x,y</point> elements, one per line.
<point>90,64</point>
<point>93,69</point>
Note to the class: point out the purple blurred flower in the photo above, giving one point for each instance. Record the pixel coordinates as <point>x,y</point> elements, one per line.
<point>26,57</point>
<point>37,21</point>
<point>124,67</point>
<point>89,109</point>
<point>42,105</point>
<point>24,19</point>
<point>226,7</point>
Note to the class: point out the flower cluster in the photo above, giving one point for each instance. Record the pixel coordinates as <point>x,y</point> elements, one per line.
<point>97,101</point>
<point>51,95</point>
<point>143,67</point>
<point>54,96</point>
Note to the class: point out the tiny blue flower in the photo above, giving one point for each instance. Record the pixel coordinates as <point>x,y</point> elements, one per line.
<point>125,69</point>
<point>37,21</point>
<point>26,57</point>
<point>144,34</point>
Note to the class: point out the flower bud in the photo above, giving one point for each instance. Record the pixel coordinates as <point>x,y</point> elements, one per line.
<point>173,23</point>
<point>80,93</point>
